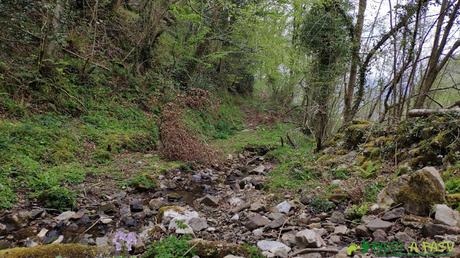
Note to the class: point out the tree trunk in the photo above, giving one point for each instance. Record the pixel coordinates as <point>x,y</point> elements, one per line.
<point>435,63</point>
<point>350,87</point>
<point>428,112</point>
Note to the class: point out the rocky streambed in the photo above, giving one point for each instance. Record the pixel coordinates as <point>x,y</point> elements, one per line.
<point>227,203</point>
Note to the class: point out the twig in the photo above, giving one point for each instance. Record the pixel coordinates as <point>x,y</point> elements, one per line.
<point>190,249</point>
<point>291,142</point>
<point>314,250</point>
<point>282,227</point>
<point>82,57</point>
<point>90,227</point>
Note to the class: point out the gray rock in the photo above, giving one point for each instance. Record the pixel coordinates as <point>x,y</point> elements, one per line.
<point>336,182</point>
<point>367,218</point>
<point>50,236</point>
<point>257,206</point>
<point>445,215</point>
<point>275,215</point>
<point>136,206</point>
<point>235,201</point>
<point>258,170</point>
<point>425,188</point>
<point>129,221</point>
<point>310,255</point>
<point>196,178</point>
<point>2,228</point>
<point>156,203</point>
<point>320,231</point>
<point>210,200</point>
<point>337,217</point>
<point>404,237</point>
<point>430,230</point>
<point>274,247</point>
<point>35,213</point>
<point>106,220</point>
<point>256,220</point>
<point>30,243</point>
<point>304,219</point>
<point>341,230</point>
<point>232,256</point>
<point>198,224</point>
<point>258,232</point>
<point>309,238</point>
<point>102,241</point>
<point>361,231</point>
<point>66,215</point>
<point>180,227</point>
<point>289,238</point>
<point>378,224</point>
<point>394,214</point>
<point>87,240</point>
<point>108,208</point>
<point>58,240</point>
<point>334,239</point>
<point>379,235</point>
<point>42,233</point>
<point>276,223</point>
<point>284,207</point>
<point>235,217</point>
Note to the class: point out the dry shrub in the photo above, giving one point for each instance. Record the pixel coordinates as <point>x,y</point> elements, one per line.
<point>177,142</point>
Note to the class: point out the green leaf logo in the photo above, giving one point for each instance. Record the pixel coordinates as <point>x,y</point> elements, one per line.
<point>352,248</point>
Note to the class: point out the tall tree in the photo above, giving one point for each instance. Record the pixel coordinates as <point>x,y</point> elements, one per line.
<point>325,36</point>
<point>356,46</point>
<point>449,10</point>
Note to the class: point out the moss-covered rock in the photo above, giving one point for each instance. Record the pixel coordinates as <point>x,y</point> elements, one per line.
<point>52,251</point>
<point>356,134</point>
<point>424,189</point>
<point>386,198</point>
<point>220,249</point>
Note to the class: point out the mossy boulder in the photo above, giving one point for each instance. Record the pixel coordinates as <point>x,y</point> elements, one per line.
<point>418,192</point>
<point>424,189</point>
<point>387,196</point>
<point>356,134</point>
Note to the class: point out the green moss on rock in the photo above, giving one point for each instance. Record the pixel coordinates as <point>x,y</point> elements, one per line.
<point>51,251</point>
<point>424,189</point>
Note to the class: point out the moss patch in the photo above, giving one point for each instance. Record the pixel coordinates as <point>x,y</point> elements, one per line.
<point>51,251</point>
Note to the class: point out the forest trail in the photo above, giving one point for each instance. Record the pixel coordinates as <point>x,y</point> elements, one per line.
<point>223,205</point>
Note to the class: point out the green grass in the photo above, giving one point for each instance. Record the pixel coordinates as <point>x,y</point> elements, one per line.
<point>220,125</point>
<point>262,136</point>
<point>44,153</point>
<point>292,170</point>
<point>371,191</point>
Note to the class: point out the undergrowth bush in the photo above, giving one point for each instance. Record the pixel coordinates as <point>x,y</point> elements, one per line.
<point>170,247</point>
